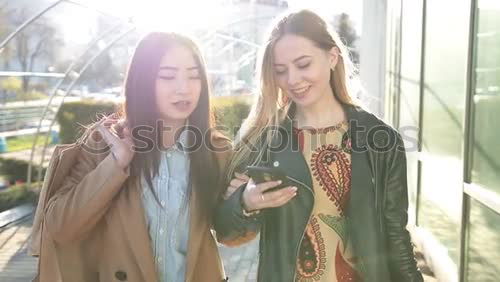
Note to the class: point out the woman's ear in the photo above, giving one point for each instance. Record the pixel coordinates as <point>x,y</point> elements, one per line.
<point>334,54</point>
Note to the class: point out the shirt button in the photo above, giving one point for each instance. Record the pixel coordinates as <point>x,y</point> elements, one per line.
<point>276,164</point>
<point>160,259</point>
<point>161,231</point>
<point>169,155</point>
<point>162,203</point>
<point>121,275</point>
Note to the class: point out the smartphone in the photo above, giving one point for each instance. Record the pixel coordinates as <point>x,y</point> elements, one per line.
<point>261,174</point>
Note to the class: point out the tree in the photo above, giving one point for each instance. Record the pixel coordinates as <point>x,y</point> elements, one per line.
<point>108,69</point>
<point>102,73</point>
<point>5,53</point>
<point>32,49</point>
<point>347,32</point>
<point>36,44</point>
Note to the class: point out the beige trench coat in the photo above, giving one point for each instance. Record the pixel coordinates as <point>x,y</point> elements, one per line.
<point>90,224</point>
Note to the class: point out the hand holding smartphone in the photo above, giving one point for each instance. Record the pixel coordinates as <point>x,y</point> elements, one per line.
<point>261,174</point>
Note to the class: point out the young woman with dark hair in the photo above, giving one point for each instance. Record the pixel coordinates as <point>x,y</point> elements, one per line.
<point>136,204</point>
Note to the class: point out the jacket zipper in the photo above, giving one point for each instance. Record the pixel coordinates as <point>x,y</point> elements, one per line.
<point>375,190</point>
<point>303,232</point>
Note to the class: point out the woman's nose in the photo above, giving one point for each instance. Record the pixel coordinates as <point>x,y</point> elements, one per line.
<point>293,78</point>
<point>182,86</point>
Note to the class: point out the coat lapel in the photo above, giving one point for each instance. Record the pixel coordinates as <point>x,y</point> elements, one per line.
<point>362,214</point>
<point>61,162</point>
<point>197,228</point>
<point>291,160</point>
<point>132,211</point>
<point>362,210</point>
<point>287,156</point>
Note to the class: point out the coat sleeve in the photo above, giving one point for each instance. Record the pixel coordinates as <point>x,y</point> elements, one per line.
<point>85,194</point>
<point>401,259</point>
<point>232,227</point>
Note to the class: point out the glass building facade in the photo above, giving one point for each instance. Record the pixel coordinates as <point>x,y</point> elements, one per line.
<point>443,90</point>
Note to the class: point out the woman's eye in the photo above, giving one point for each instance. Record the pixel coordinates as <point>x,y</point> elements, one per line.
<point>166,77</point>
<point>280,72</point>
<point>304,66</point>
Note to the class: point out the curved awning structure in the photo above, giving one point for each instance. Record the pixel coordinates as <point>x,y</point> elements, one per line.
<point>219,37</point>
<point>228,31</point>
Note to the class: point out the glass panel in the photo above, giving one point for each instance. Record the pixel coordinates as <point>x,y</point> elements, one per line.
<point>484,244</point>
<point>446,51</point>
<point>393,56</point>
<point>411,42</point>
<point>486,151</point>
<point>409,99</point>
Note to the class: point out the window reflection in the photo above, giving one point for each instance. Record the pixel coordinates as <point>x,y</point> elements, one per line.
<point>486,154</point>
<point>445,70</point>
<point>409,92</point>
<point>484,244</point>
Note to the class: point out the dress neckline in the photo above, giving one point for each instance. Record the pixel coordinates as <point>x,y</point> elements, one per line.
<point>320,130</point>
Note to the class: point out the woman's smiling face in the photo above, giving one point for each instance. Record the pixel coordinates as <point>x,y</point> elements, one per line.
<point>302,69</point>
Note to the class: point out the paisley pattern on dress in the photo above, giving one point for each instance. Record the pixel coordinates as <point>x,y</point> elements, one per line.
<point>325,253</point>
<point>344,271</point>
<point>312,254</point>
<point>338,224</point>
<point>331,168</point>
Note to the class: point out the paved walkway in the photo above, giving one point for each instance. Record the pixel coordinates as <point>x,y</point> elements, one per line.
<point>241,263</point>
<point>17,266</point>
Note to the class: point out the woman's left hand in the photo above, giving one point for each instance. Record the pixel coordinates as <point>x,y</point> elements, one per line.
<point>235,183</point>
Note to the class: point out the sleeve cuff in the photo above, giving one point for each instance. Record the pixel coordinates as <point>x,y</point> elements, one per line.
<point>115,169</point>
<point>125,170</point>
<point>237,206</point>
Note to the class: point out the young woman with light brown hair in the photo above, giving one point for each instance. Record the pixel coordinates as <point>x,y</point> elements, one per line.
<point>342,215</point>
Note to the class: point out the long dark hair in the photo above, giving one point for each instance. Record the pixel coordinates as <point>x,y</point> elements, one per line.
<point>140,109</point>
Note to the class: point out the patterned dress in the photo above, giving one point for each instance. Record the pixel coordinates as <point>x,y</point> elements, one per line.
<point>325,253</point>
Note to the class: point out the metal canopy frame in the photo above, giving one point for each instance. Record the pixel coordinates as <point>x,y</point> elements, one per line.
<point>72,75</point>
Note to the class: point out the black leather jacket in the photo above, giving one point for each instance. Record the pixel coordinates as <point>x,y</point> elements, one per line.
<point>377,211</point>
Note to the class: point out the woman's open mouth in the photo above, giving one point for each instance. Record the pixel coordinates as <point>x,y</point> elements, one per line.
<point>182,105</point>
<point>300,92</point>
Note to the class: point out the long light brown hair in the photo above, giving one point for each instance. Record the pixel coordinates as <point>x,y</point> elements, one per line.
<point>272,106</point>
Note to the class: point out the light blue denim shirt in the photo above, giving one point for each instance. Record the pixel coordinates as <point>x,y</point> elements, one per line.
<point>168,222</point>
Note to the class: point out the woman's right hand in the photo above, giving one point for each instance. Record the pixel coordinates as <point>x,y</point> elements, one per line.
<point>121,146</point>
<point>255,196</point>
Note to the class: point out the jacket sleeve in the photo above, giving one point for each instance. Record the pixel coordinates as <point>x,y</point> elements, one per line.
<point>401,259</point>
<point>232,227</point>
<point>84,196</point>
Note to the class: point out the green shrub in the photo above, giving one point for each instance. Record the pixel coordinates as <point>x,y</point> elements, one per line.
<point>22,142</point>
<point>73,116</point>
<point>16,170</point>
<point>31,95</point>
<point>223,101</point>
<point>17,195</point>
<point>229,114</point>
